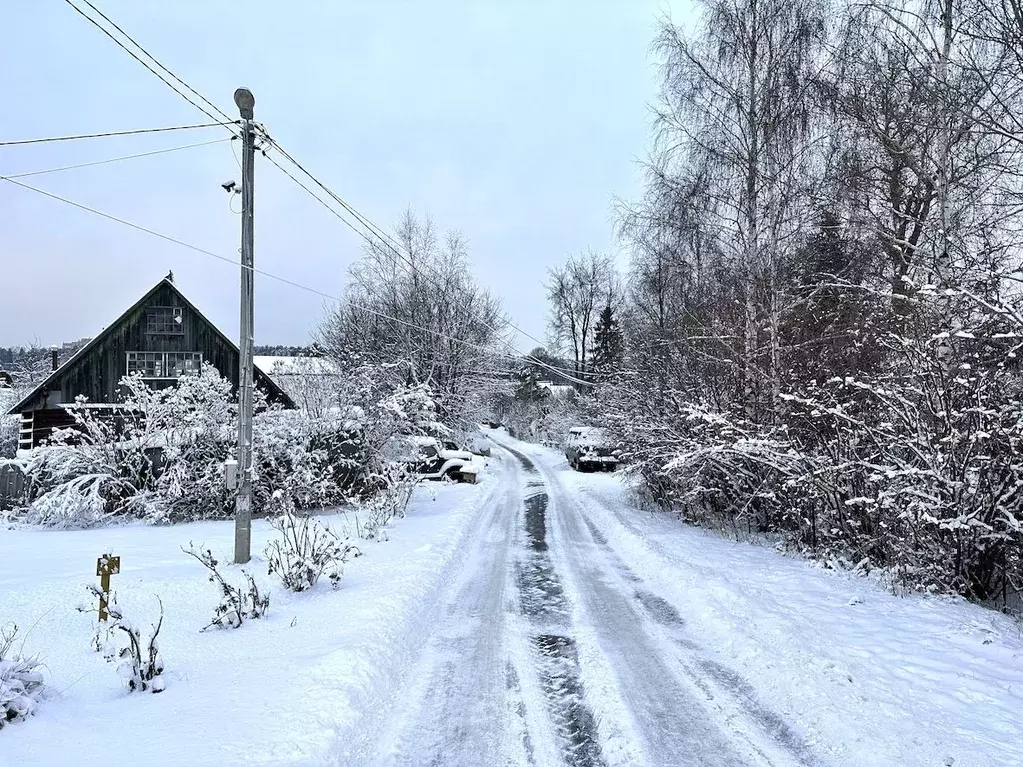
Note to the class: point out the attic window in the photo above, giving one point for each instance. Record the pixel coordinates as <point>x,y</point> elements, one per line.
<point>165,321</point>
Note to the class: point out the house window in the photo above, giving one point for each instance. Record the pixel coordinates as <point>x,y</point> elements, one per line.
<point>164,364</point>
<point>165,321</point>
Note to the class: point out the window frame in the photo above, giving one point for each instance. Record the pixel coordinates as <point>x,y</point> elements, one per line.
<point>165,324</point>
<point>160,369</point>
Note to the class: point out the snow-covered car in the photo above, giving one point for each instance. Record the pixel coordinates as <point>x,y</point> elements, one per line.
<point>588,448</point>
<point>434,459</point>
<point>478,444</point>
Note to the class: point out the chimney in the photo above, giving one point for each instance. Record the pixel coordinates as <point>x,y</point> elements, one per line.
<point>54,351</point>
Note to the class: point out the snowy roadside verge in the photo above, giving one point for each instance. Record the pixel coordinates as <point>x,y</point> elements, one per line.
<point>281,690</point>
<point>869,678</point>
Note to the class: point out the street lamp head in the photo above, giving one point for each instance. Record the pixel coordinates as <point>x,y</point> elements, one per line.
<point>246,101</point>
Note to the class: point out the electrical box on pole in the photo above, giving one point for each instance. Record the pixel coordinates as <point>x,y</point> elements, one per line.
<point>243,495</point>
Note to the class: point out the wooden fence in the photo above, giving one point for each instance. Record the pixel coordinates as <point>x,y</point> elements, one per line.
<point>12,485</point>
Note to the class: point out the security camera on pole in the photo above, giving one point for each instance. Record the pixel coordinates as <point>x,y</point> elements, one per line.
<point>243,498</point>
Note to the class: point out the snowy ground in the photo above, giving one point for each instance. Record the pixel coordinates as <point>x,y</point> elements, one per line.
<point>276,691</point>
<point>534,619</point>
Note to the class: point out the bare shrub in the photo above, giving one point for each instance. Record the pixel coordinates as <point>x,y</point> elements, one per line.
<point>305,550</point>
<point>141,665</point>
<point>236,605</point>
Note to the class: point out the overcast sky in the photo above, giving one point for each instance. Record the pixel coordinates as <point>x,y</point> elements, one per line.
<point>513,121</point>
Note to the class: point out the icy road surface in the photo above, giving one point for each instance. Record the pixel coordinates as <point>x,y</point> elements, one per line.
<point>550,650</point>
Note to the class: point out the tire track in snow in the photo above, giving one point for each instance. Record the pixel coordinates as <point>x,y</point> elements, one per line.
<point>544,605</point>
<point>680,719</point>
<point>711,676</point>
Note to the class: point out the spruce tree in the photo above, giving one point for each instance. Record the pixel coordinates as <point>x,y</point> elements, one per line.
<point>608,342</point>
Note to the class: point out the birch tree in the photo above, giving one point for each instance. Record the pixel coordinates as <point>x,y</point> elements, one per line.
<point>414,305</point>
<point>577,292</point>
<point>736,121</point>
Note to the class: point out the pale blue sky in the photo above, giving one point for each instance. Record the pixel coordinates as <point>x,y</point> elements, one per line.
<point>514,122</point>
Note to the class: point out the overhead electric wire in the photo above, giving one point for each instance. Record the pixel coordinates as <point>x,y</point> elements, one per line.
<point>10,176</point>
<point>316,197</point>
<point>269,275</point>
<point>528,358</point>
<point>369,225</point>
<point>135,132</point>
<point>156,61</point>
<point>135,56</point>
<point>389,243</point>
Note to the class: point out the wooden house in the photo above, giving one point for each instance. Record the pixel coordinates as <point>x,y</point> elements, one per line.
<point>162,337</point>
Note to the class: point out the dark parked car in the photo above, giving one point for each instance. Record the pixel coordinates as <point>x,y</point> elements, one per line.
<point>588,449</point>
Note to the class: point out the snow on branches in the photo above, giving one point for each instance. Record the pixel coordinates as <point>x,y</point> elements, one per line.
<point>305,550</point>
<point>21,682</point>
<point>236,604</point>
<point>141,666</point>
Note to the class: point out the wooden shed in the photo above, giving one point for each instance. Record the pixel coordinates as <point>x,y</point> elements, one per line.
<point>161,337</point>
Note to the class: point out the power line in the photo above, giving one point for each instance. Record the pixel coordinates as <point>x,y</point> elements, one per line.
<point>369,225</point>
<point>110,217</point>
<point>233,262</point>
<point>115,159</point>
<point>373,229</point>
<point>135,132</point>
<point>131,53</point>
<point>316,197</point>
<point>389,243</point>
<point>156,61</point>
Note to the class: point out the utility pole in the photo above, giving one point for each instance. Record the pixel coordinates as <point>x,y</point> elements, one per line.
<point>243,499</point>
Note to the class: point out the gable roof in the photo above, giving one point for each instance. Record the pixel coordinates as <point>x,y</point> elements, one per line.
<point>259,376</point>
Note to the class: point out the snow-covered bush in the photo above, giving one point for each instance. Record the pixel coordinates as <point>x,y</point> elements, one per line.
<point>318,462</point>
<point>156,457</point>
<point>236,604</point>
<point>713,468</point>
<point>21,682</point>
<point>394,486</point>
<point>305,550</point>
<point>141,666</point>
<point>921,466</point>
<point>159,457</point>
<point>912,470</point>
<point>9,425</point>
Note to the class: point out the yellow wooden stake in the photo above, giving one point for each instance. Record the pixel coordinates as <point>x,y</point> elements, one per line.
<point>106,566</point>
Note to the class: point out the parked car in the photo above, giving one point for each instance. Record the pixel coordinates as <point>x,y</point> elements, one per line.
<point>434,459</point>
<point>478,444</point>
<point>587,448</point>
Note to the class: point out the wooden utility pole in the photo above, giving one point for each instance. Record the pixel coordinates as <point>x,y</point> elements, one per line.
<point>243,498</point>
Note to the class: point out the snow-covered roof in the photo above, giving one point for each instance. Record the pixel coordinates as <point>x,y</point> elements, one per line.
<point>557,390</point>
<point>285,366</point>
<point>424,440</point>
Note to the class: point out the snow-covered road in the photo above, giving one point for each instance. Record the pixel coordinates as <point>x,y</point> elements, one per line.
<point>550,650</point>
<point>584,631</point>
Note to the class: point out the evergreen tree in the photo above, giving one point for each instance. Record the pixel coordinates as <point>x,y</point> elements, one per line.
<point>608,342</point>
<point>529,389</point>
